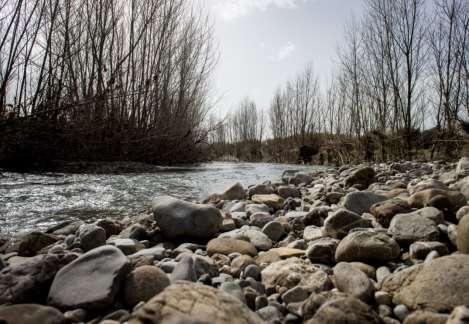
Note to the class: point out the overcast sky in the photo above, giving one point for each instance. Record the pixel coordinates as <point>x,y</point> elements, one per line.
<point>264,43</point>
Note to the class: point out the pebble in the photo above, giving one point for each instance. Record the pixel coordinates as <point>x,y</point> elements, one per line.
<point>319,252</point>
<point>251,271</point>
<point>401,312</point>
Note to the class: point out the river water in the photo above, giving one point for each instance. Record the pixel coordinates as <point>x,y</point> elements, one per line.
<point>38,201</point>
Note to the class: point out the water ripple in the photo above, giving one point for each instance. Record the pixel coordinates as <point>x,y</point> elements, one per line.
<point>38,201</point>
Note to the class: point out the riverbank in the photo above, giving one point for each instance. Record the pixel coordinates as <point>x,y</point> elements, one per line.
<point>384,243</point>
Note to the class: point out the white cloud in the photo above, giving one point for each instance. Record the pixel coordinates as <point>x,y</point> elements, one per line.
<point>232,9</point>
<point>283,52</point>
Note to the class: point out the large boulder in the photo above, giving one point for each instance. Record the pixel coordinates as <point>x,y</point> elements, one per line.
<point>345,310</point>
<point>361,178</point>
<point>177,218</point>
<point>29,280</point>
<point>91,281</point>
<point>360,202</point>
<point>195,303</point>
<point>230,245</point>
<point>296,272</point>
<point>463,235</point>
<point>338,224</point>
<point>413,227</point>
<point>30,314</point>
<point>367,246</point>
<point>438,285</point>
<point>144,283</point>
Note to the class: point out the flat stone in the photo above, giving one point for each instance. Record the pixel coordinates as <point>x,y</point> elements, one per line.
<point>272,200</point>
<point>127,246</point>
<point>286,252</point>
<point>260,219</point>
<point>339,223</point>
<point>412,227</point>
<point>312,233</point>
<point>366,246</point>
<point>30,314</point>
<point>91,281</point>
<point>425,185</point>
<point>295,272</point>
<point>196,302</point>
<point>361,201</point>
<point>268,257</point>
<point>177,218</point>
<point>28,281</point>
<point>426,317</point>
<point>345,310</point>
<point>156,252</point>
<point>253,234</point>
<point>261,189</point>
<point>225,245</point>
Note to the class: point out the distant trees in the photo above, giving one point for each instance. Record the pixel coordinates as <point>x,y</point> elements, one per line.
<point>403,69</point>
<point>116,79</point>
<point>449,41</point>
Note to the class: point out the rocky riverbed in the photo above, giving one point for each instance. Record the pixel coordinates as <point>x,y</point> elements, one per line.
<point>385,243</point>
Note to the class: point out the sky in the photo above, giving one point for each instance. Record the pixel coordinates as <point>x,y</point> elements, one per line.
<point>264,43</point>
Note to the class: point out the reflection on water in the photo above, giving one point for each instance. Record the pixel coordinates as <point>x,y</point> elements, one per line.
<point>35,202</point>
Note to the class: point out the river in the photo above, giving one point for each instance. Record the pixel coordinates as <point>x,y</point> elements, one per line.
<point>38,201</point>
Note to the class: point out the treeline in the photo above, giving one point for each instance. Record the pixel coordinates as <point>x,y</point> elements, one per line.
<point>102,80</point>
<point>400,90</point>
